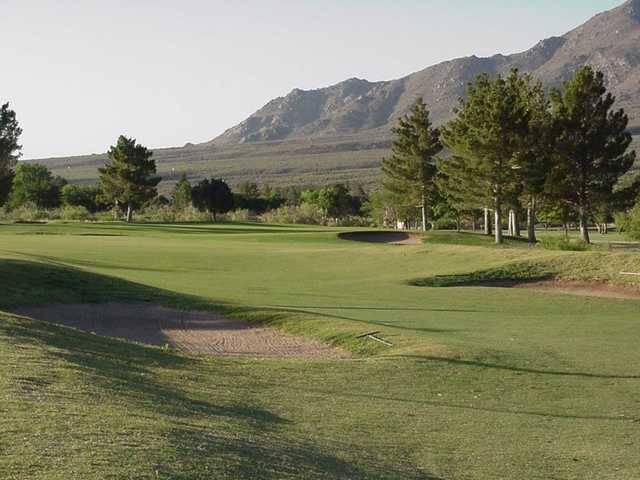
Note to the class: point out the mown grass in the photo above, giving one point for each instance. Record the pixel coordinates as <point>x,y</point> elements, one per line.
<point>480,383</point>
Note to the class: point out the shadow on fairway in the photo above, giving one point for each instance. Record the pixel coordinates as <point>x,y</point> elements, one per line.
<point>375,237</point>
<point>471,363</point>
<point>254,442</point>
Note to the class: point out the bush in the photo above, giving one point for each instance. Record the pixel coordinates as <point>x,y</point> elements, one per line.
<point>304,214</point>
<point>28,212</point>
<point>241,215</point>
<point>169,214</point>
<point>77,213</point>
<point>621,219</point>
<point>632,226</point>
<point>563,243</point>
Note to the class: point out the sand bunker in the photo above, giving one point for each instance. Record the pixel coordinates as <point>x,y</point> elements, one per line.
<point>194,332</point>
<point>392,238</point>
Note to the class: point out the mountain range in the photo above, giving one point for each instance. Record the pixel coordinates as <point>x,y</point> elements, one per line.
<point>610,42</point>
<point>305,135</point>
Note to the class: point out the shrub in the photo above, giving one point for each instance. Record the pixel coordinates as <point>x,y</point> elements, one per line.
<point>621,219</point>
<point>77,213</point>
<point>241,215</point>
<point>303,214</point>
<point>28,212</point>
<point>169,214</point>
<point>632,226</point>
<point>563,243</point>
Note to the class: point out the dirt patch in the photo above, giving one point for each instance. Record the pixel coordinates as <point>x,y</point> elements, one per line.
<point>585,289</point>
<point>194,332</point>
<point>391,238</point>
<point>571,287</point>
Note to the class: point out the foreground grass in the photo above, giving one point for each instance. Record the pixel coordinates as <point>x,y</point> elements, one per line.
<point>480,383</point>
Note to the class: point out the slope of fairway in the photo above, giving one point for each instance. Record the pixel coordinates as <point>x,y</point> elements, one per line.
<point>479,383</point>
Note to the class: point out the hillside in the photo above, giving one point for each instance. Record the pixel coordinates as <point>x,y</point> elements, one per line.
<point>609,42</point>
<point>342,132</point>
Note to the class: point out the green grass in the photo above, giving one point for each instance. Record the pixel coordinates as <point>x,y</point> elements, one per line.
<point>480,383</point>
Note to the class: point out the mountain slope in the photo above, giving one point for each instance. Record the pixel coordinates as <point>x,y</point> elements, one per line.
<point>609,42</point>
<point>341,133</point>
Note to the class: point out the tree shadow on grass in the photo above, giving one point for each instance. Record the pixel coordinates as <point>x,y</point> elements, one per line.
<point>471,363</point>
<point>26,282</point>
<point>208,431</point>
<point>277,311</point>
<point>273,458</point>
<point>128,371</point>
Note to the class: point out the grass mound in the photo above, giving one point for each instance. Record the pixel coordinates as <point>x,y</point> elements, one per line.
<point>519,272</point>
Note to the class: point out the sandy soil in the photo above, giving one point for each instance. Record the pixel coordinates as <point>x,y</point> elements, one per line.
<point>195,332</point>
<point>585,289</point>
<point>571,287</point>
<point>393,238</point>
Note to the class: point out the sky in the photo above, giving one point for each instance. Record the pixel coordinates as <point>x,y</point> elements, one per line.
<point>80,73</point>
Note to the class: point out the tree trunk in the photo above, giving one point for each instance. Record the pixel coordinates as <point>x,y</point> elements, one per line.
<point>531,222</point>
<point>516,223</point>
<point>584,225</point>
<point>213,216</point>
<point>473,222</point>
<point>498,222</point>
<point>510,228</point>
<point>424,213</point>
<point>129,213</point>
<point>487,222</point>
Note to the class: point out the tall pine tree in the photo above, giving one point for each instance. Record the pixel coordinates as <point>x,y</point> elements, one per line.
<point>411,170</point>
<point>487,137</point>
<point>533,162</point>
<point>591,147</point>
<point>9,149</point>
<point>128,179</point>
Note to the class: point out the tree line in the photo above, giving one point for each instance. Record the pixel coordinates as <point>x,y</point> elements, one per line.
<point>513,147</point>
<point>512,150</point>
<point>128,182</point>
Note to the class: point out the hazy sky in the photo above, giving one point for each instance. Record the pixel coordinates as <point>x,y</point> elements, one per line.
<point>79,73</point>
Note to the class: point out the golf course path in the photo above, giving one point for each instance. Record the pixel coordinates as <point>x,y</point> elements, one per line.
<point>194,332</point>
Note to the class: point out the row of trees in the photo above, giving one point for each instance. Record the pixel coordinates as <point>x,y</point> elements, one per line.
<point>128,182</point>
<point>511,147</point>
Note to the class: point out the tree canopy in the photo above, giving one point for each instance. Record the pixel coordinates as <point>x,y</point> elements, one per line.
<point>10,132</point>
<point>212,195</point>
<point>591,146</point>
<point>410,171</point>
<point>129,178</point>
<point>181,196</point>
<point>34,183</point>
<point>488,138</point>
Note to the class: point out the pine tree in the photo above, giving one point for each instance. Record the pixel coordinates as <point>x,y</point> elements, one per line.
<point>457,183</point>
<point>591,147</point>
<point>411,170</point>
<point>128,179</point>
<point>534,162</point>
<point>181,195</point>
<point>487,136</point>
<point>9,149</point>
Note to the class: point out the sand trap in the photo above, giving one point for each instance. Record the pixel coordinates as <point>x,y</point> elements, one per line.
<point>194,332</point>
<point>392,238</point>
